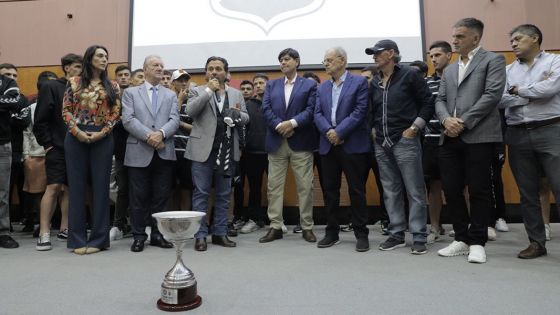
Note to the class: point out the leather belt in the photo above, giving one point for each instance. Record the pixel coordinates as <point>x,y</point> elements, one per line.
<point>536,124</point>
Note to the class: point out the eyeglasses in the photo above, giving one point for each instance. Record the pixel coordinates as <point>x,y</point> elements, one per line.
<point>329,60</point>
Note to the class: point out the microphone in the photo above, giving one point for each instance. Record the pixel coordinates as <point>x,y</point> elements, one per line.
<point>218,98</point>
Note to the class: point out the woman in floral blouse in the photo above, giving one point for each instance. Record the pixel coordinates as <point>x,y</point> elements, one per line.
<point>91,109</point>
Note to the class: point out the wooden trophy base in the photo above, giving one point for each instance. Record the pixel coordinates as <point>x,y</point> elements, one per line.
<point>179,307</point>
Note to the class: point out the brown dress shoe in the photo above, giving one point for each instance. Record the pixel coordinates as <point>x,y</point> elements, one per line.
<point>222,240</point>
<point>200,244</point>
<point>533,251</point>
<point>309,236</point>
<point>273,234</point>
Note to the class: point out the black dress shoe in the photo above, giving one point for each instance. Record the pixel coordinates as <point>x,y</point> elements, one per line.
<point>222,240</point>
<point>362,244</point>
<point>200,244</point>
<point>158,240</point>
<point>273,234</point>
<point>309,236</point>
<point>137,246</point>
<point>8,242</point>
<point>328,241</point>
<point>533,251</point>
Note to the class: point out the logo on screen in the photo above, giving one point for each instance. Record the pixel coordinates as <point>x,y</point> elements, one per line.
<point>265,14</point>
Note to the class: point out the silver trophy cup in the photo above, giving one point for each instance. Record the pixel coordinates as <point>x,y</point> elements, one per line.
<point>178,290</point>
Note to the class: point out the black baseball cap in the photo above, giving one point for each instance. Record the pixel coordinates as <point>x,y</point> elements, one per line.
<point>382,45</point>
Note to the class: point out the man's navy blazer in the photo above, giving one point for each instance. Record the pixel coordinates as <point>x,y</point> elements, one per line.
<point>351,114</point>
<point>300,107</point>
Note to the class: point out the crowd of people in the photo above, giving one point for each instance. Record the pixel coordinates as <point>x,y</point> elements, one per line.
<point>170,144</point>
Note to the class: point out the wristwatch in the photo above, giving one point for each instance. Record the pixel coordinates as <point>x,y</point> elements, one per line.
<point>414,128</point>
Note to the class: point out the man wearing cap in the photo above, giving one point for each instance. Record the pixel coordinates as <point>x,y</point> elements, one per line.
<point>180,83</point>
<point>401,105</point>
<point>469,93</point>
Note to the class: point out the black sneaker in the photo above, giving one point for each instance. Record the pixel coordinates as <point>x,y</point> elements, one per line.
<point>62,235</point>
<point>418,248</point>
<point>28,228</point>
<point>231,231</point>
<point>7,241</point>
<point>384,227</point>
<point>362,244</point>
<point>297,229</point>
<point>391,243</point>
<point>328,241</point>
<point>347,228</point>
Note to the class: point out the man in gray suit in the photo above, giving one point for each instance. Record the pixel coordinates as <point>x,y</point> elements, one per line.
<point>469,93</point>
<point>150,115</point>
<point>216,110</point>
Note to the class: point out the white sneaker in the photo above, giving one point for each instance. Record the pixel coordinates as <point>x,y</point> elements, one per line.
<point>44,242</point>
<point>115,234</point>
<point>432,237</point>
<point>148,231</point>
<point>547,232</point>
<point>491,234</point>
<point>477,254</point>
<point>249,227</point>
<point>454,249</point>
<point>501,225</point>
<point>284,229</point>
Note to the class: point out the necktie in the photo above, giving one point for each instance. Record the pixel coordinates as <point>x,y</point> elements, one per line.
<point>154,99</point>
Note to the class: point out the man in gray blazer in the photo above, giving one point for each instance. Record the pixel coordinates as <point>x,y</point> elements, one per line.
<point>217,110</point>
<point>469,93</point>
<point>150,115</point>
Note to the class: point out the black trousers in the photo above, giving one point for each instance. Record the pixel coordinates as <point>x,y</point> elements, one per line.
<point>499,208</point>
<point>468,164</point>
<point>531,152</point>
<point>356,169</point>
<point>149,190</point>
<point>122,210</point>
<point>88,164</point>
<point>254,166</point>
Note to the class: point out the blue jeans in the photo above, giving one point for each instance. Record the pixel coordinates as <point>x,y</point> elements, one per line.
<point>398,165</point>
<point>203,174</point>
<point>5,170</point>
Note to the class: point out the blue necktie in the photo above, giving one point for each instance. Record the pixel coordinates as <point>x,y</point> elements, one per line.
<point>154,99</point>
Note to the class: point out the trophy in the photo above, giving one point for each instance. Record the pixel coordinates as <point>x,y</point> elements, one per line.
<point>178,290</point>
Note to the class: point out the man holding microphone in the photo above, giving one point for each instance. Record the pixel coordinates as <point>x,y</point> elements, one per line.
<point>215,109</point>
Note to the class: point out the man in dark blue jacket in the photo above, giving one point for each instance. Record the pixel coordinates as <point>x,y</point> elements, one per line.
<point>340,116</point>
<point>288,107</point>
<point>401,105</point>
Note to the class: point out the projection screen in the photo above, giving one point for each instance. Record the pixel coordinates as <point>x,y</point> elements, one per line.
<point>251,33</point>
